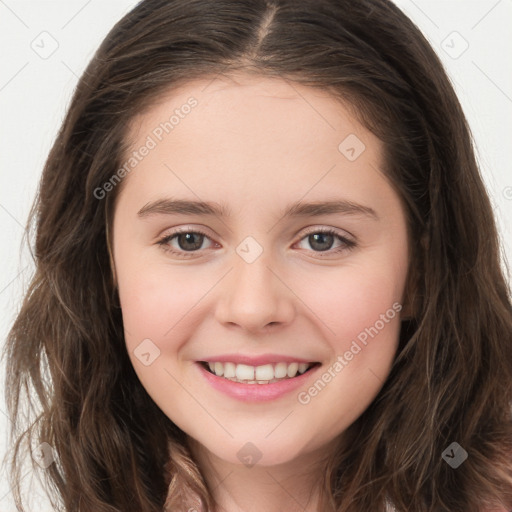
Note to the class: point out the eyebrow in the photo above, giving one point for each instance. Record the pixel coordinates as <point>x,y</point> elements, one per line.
<point>298,209</point>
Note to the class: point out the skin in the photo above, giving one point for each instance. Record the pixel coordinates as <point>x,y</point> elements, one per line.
<point>257,145</point>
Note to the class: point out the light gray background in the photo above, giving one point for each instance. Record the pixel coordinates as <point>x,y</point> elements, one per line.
<point>35,89</point>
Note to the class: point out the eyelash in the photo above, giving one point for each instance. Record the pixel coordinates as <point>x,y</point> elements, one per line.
<point>164,242</point>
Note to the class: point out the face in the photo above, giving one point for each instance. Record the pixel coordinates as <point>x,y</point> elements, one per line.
<point>257,236</point>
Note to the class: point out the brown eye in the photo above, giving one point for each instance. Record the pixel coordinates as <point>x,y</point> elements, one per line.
<point>189,241</point>
<point>184,243</point>
<point>323,240</point>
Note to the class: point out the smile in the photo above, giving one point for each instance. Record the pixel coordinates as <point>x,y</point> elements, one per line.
<point>264,374</point>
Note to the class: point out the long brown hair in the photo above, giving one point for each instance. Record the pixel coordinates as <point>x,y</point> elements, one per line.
<point>452,377</point>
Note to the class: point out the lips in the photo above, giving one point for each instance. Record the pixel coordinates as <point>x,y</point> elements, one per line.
<point>257,390</point>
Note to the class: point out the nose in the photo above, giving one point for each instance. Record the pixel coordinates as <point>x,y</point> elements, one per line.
<point>254,297</point>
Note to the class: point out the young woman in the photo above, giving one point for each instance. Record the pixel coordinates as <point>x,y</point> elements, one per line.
<point>267,273</point>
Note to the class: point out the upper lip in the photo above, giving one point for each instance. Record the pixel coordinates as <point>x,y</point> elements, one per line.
<point>255,360</point>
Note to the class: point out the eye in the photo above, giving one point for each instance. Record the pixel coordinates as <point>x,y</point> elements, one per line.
<point>322,240</point>
<point>187,241</point>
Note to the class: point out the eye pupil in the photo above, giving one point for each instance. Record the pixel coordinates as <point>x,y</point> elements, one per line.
<point>319,238</point>
<point>188,238</point>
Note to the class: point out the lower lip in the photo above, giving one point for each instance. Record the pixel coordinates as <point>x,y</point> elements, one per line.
<point>256,392</point>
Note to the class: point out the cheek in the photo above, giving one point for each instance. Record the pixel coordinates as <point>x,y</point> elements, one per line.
<point>361,307</point>
<point>353,299</point>
<point>360,310</point>
<point>159,306</point>
<point>155,303</point>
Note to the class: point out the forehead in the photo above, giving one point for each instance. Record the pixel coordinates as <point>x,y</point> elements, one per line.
<point>253,139</point>
<point>246,105</point>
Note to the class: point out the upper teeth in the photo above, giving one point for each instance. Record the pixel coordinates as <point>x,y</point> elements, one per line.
<point>264,373</point>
